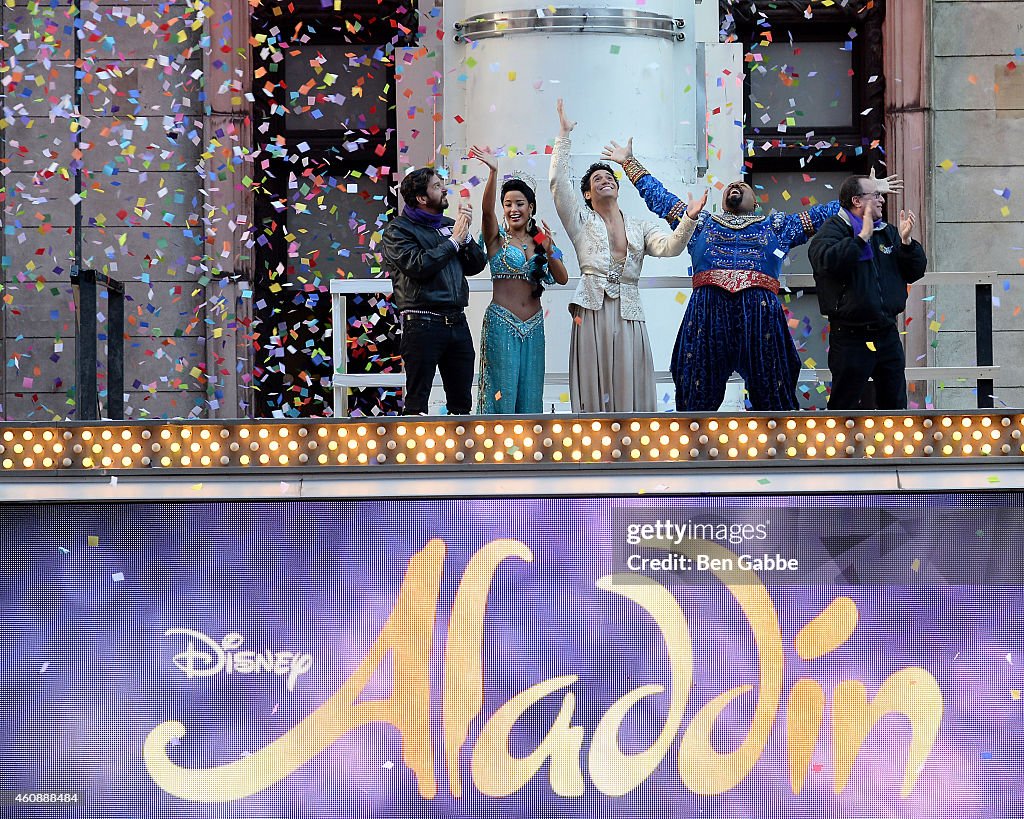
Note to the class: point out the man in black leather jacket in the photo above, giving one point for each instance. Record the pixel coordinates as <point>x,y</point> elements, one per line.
<point>862,267</point>
<point>429,257</point>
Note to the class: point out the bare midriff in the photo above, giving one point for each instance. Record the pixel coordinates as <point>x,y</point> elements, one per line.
<point>516,296</point>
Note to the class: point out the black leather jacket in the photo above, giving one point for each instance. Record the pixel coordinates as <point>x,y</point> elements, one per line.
<point>854,292</point>
<point>427,272</point>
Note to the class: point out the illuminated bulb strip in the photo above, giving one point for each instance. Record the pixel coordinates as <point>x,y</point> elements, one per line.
<point>451,443</point>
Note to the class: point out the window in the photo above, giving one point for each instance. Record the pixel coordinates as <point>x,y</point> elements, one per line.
<point>800,87</point>
<point>325,101</point>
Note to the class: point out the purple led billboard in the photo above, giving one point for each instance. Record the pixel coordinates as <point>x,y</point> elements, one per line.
<point>605,657</point>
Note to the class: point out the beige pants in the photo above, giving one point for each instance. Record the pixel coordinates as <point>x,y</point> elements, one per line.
<point>611,368</point>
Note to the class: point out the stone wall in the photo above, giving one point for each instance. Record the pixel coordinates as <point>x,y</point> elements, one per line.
<point>977,166</point>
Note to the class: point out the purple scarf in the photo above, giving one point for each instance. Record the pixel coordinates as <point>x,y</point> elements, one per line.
<point>858,226</point>
<point>423,217</point>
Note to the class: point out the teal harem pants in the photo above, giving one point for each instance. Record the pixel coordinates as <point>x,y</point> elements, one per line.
<point>511,363</point>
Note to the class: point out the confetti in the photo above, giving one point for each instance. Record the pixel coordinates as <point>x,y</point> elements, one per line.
<point>117,577</point>
<point>179,249</point>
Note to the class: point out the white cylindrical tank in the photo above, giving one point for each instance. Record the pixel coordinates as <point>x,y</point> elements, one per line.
<point>622,72</point>
<point>614,84</point>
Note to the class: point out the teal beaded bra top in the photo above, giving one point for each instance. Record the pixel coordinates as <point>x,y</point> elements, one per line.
<point>511,263</point>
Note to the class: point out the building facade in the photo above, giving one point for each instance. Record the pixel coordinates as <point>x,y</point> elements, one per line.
<point>227,159</point>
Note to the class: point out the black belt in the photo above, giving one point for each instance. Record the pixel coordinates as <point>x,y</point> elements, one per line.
<point>430,315</point>
<point>860,328</point>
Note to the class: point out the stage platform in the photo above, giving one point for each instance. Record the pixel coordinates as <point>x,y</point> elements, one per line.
<point>526,456</point>
<point>570,617</point>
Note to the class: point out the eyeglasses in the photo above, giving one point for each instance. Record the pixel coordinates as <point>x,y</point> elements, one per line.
<point>874,195</point>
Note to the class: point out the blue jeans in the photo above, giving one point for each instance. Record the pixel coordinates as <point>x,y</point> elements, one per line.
<point>432,342</point>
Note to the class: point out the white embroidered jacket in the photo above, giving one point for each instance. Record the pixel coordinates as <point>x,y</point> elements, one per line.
<point>589,236</point>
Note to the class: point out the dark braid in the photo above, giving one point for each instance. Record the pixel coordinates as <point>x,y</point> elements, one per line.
<point>540,258</point>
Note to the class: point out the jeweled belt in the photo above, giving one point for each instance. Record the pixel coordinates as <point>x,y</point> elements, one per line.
<point>736,280</point>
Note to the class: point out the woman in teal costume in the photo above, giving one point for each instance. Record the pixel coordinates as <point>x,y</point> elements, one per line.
<point>523,259</point>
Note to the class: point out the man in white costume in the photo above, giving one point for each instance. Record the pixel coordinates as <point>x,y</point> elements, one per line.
<point>611,368</point>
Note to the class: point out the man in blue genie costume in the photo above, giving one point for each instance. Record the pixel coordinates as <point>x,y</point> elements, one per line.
<point>734,320</point>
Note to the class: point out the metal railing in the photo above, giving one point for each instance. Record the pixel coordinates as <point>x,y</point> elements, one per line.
<point>569,20</point>
<point>983,371</point>
<point>87,352</point>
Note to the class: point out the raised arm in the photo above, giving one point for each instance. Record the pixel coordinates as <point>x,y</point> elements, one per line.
<point>489,224</point>
<point>797,228</point>
<point>567,204</point>
<point>659,243</point>
<point>658,199</point>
